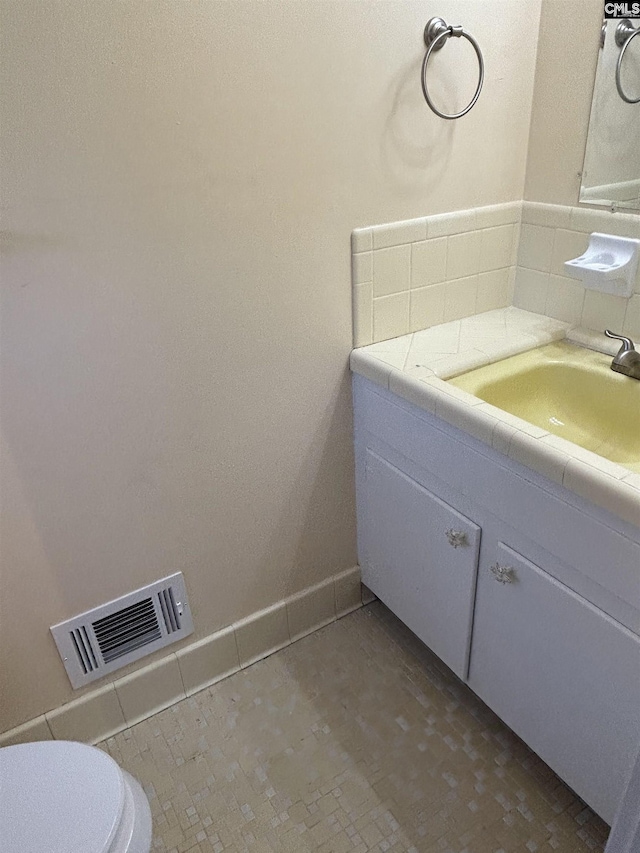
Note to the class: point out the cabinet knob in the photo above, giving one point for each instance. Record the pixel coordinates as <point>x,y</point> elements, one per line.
<point>503,574</point>
<point>456,538</point>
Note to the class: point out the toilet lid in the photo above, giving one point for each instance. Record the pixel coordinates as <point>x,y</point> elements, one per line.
<point>59,796</point>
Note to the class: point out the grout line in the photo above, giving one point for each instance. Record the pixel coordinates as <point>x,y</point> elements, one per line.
<point>118,696</point>
<point>46,719</point>
<point>406,358</point>
<point>184,689</point>
<point>286,613</point>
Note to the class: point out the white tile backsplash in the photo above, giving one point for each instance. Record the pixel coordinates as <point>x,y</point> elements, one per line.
<point>445,224</point>
<point>428,262</point>
<point>496,247</point>
<point>603,311</point>
<point>362,314</point>
<point>588,220</point>
<point>463,255</point>
<point>632,317</point>
<point>494,290</point>
<point>460,298</point>
<point>411,275</point>
<point>362,240</point>
<point>536,247</point>
<point>549,215</point>
<point>426,271</point>
<point>531,290</point>
<point>390,316</point>
<point>362,267</point>
<point>565,299</point>
<point>498,214</point>
<point>399,233</point>
<point>426,307</point>
<point>391,270</point>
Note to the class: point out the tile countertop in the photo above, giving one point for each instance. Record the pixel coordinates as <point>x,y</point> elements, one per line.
<point>416,366</point>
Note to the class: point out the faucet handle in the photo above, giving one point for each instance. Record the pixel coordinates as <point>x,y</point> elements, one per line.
<point>627,343</point>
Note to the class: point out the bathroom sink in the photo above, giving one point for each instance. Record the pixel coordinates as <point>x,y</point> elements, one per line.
<point>569,391</point>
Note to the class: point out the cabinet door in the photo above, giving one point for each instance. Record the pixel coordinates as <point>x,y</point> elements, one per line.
<point>563,675</point>
<point>410,564</point>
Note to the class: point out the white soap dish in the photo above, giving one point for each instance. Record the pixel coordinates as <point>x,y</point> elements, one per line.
<point>609,265</point>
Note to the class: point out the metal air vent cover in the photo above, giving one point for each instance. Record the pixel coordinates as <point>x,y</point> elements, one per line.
<point>121,631</point>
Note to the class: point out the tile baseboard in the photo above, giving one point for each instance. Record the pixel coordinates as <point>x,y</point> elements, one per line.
<point>36,729</point>
<point>115,706</point>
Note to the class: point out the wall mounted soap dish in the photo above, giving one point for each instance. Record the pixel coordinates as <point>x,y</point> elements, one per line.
<point>609,264</point>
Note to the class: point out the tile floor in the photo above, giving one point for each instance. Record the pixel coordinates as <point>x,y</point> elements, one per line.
<point>353,739</point>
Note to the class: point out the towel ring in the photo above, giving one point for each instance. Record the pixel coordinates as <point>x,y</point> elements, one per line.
<point>436,33</point>
<point>625,33</point>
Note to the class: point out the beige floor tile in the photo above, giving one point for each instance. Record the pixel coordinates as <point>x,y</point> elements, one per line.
<point>354,739</point>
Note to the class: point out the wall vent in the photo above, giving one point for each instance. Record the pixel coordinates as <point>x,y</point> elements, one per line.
<point>119,632</point>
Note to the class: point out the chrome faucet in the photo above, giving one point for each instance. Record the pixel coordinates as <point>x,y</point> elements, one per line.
<point>628,359</point>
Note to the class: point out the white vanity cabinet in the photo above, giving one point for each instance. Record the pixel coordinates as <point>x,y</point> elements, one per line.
<point>529,594</point>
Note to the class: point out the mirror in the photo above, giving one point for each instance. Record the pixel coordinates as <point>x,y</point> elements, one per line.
<point>611,172</point>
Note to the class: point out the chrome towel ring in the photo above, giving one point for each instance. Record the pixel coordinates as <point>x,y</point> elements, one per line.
<point>625,33</point>
<point>436,33</point>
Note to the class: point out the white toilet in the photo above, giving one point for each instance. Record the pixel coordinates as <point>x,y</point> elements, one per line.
<point>65,797</point>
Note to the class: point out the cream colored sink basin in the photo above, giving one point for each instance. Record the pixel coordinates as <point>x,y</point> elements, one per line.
<point>569,391</point>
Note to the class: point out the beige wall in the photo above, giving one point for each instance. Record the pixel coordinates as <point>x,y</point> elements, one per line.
<point>565,72</point>
<point>179,184</point>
